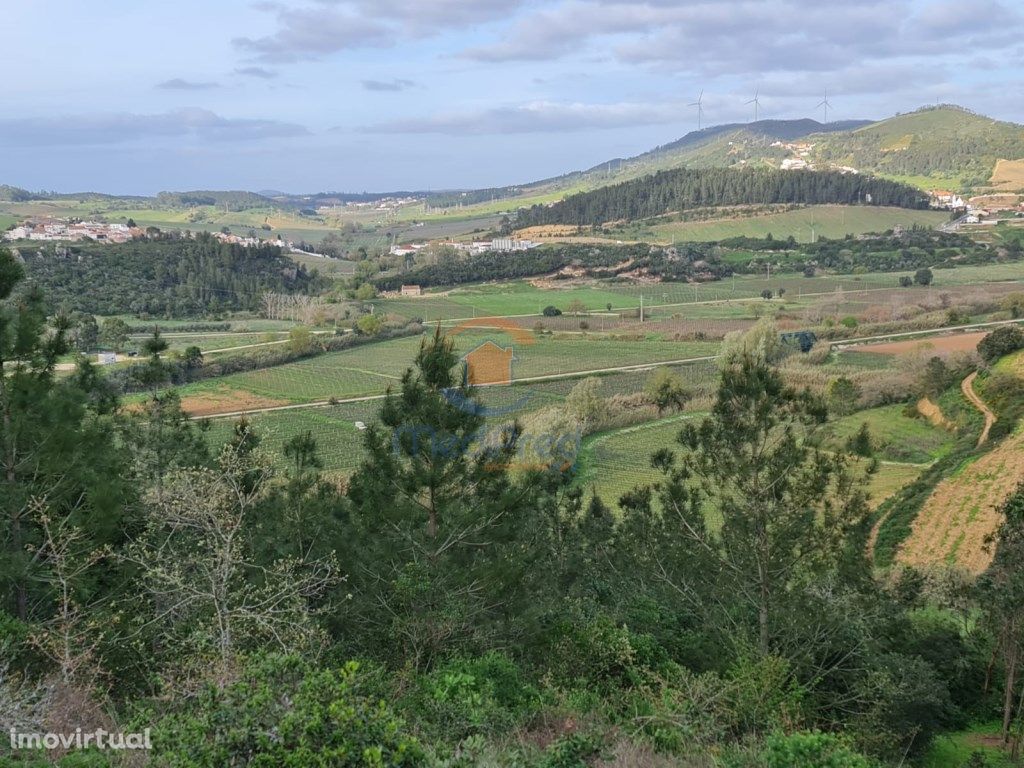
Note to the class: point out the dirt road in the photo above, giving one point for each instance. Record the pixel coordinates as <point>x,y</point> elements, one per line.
<point>967,387</point>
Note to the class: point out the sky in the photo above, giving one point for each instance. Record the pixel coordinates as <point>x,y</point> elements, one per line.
<point>139,96</point>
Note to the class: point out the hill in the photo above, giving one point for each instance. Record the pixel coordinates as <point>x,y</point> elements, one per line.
<point>932,145</point>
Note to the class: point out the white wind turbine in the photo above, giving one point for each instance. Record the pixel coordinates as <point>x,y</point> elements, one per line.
<point>756,102</point>
<point>699,104</point>
<point>825,105</point>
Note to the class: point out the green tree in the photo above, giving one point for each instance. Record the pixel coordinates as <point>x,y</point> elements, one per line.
<point>843,394</point>
<point>365,292</point>
<point>906,281</point>
<point>923,276</point>
<point>370,324</point>
<point>115,333</point>
<point>87,333</point>
<point>786,507</point>
<point>435,515</point>
<point>300,339</point>
<point>1001,341</point>
<point>666,389</point>
<point>55,444</point>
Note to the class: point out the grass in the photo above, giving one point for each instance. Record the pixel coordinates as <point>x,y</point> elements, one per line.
<point>897,437</point>
<point>954,750</point>
<point>826,220</point>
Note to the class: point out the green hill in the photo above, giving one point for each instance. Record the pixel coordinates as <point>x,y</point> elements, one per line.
<point>944,144</point>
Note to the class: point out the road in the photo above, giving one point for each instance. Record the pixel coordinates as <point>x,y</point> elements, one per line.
<point>967,387</point>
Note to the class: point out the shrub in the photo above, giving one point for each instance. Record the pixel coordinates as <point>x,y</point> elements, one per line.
<point>810,750</point>
<point>1002,341</point>
<point>281,710</point>
<point>551,311</point>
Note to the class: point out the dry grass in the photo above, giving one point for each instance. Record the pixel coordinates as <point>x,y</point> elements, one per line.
<point>1008,175</point>
<point>963,510</point>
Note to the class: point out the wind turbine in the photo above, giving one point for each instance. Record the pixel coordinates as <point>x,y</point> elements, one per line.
<point>699,104</point>
<point>824,103</point>
<point>756,103</point>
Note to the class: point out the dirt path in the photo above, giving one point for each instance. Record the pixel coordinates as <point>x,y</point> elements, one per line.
<point>967,387</point>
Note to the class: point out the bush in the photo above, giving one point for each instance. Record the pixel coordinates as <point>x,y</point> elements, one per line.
<point>551,311</point>
<point>810,750</point>
<point>283,711</point>
<point>466,696</point>
<point>1002,341</point>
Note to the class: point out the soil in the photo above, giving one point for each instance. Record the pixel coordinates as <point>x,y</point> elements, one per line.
<point>213,403</point>
<point>960,342</point>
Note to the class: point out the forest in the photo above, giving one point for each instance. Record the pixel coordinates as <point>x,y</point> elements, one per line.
<point>453,605</point>
<point>684,188</point>
<point>163,276</point>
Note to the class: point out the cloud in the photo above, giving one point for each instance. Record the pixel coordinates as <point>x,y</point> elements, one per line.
<point>388,85</point>
<point>178,84</point>
<point>125,127</point>
<point>259,72</point>
<point>314,31</point>
<point>536,117</point>
<point>733,37</point>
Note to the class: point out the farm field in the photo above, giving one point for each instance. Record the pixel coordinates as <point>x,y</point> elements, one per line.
<point>527,299</point>
<point>365,371</point>
<point>827,220</point>
<point>953,342</point>
<point>962,510</point>
<point>339,443</point>
<point>615,462</point>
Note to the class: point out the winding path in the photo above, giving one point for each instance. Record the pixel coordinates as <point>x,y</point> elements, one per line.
<point>967,387</point>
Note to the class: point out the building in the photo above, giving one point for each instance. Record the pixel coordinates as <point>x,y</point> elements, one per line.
<point>412,290</point>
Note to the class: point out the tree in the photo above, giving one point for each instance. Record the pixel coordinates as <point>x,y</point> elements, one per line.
<point>192,357</point>
<point>54,442</point>
<point>576,307</point>
<point>154,372</point>
<point>210,594</point>
<point>115,333</point>
<point>87,333</point>
<point>551,311</point>
<point>906,281</point>
<point>860,444</point>
<point>843,394</point>
<point>365,292</point>
<point>1002,341</point>
<point>300,339</point>
<point>762,342</point>
<point>1002,593</point>
<point>666,389</point>
<point>436,516</point>
<point>585,404</point>
<point>923,276</point>
<point>766,294</point>
<point>370,324</point>
<point>608,306</point>
<point>786,507</point>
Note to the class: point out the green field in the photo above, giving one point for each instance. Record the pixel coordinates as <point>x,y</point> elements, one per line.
<point>370,370</point>
<point>896,437</point>
<point>833,221</point>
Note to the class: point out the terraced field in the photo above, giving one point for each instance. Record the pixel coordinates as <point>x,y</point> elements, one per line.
<point>952,525</point>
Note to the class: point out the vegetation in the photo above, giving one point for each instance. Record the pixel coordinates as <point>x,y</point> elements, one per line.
<point>172,277</point>
<point>686,188</point>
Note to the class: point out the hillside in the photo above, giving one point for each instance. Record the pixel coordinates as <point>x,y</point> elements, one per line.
<point>934,144</point>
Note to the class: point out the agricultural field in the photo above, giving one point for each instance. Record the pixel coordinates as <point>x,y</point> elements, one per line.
<point>833,221</point>
<point>961,512</point>
<point>896,437</point>
<point>615,462</point>
<point>364,371</point>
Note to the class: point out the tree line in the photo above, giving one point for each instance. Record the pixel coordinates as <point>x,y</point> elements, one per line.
<point>684,188</point>
<point>164,277</point>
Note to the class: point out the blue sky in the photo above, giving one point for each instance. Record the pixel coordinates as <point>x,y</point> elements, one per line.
<point>353,95</point>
